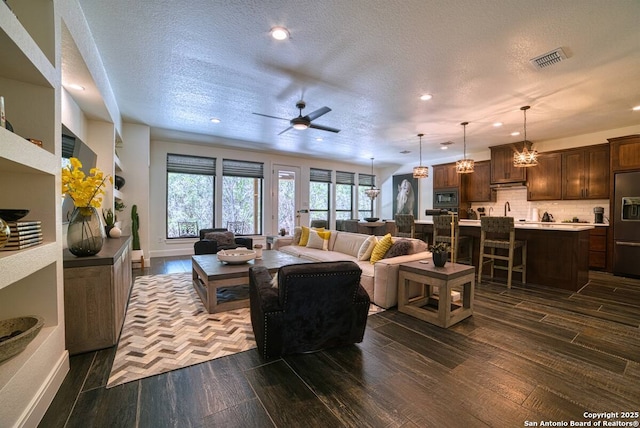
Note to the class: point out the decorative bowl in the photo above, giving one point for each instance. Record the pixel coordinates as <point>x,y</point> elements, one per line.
<point>12,215</point>
<point>237,256</point>
<point>16,333</point>
<point>371,219</point>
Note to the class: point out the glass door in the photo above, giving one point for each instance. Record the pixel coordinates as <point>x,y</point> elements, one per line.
<point>286,180</point>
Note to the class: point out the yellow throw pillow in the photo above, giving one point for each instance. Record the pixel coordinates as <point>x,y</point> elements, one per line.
<point>304,237</point>
<point>319,240</point>
<point>381,248</point>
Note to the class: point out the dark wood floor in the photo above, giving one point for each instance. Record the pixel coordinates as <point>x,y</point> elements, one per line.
<point>527,354</point>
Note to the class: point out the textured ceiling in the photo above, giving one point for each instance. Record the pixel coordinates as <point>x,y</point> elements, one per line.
<point>174,65</point>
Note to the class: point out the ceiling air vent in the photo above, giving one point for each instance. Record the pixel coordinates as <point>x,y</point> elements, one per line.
<point>549,58</point>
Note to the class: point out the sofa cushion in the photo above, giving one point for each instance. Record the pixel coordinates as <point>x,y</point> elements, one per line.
<point>401,247</point>
<point>318,240</point>
<point>381,248</point>
<point>297,234</point>
<point>221,238</point>
<point>348,243</point>
<point>364,253</point>
<point>304,237</point>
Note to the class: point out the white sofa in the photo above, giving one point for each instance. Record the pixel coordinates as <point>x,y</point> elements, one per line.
<point>379,279</point>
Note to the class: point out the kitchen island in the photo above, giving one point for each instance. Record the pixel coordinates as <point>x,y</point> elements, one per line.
<point>557,253</point>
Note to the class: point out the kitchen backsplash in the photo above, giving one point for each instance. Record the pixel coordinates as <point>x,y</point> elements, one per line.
<point>561,210</point>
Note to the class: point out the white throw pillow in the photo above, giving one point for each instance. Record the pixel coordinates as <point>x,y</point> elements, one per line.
<point>364,253</point>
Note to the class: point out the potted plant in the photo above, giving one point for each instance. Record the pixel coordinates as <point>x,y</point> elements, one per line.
<point>440,252</point>
<point>109,221</point>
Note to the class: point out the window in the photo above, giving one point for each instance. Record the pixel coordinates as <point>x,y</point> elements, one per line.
<point>319,194</point>
<point>242,183</point>
<point>365,205</point>
<point>345,182</point>
<point>190,192</point>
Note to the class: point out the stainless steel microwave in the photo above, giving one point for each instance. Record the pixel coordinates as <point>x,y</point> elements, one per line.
<point>446,198</point>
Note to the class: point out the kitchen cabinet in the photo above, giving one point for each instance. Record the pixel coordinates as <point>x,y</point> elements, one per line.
<point>31,278</point>
<point>625,153</point>
<point>585,173</point>
<point>476,185</point>
<point>544,181</point>
<point>502,169</point>
<point>96,292</point>
<point>598,247</point>
<point>445,176</point>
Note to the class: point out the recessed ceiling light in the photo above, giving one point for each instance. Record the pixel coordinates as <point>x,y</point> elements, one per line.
<point>426,97</point>
<point>445,145</point>
<point>319,139</point>
<point>280,33</point>
<point>76,87</point>
<point>497,124</point>
<point>215,120</point>
<point>515,134</point>
<point>636,108</point>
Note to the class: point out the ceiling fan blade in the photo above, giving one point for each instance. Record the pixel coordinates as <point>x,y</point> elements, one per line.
<point>316,114</point>
<point>272,117</point>
<point>291,127</point>
<point>323,128</point>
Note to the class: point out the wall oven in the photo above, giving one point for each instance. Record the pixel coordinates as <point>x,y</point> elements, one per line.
<point>446,198</point>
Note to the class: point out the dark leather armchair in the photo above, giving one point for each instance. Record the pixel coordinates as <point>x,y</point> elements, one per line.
<point>315,306</point>
<point>209,246</point>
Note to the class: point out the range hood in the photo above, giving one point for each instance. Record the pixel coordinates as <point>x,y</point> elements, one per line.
<point>508,185</point>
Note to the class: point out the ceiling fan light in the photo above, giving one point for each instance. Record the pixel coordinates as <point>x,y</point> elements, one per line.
<point>279,33</point>
<point>300,126</point>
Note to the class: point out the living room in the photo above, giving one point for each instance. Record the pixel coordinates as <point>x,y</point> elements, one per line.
<point>63,41</point>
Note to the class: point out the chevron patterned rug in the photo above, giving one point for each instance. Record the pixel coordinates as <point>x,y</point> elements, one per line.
<point>167,328</point>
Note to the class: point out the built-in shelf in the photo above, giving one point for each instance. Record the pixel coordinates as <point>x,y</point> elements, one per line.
<point>17,265</point>
<point>116,163</point>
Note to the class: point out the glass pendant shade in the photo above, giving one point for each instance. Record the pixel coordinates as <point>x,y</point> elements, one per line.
<point>420,171</point>
<point>374,191</point>
<point>464,165</point>
<point>526,158</point>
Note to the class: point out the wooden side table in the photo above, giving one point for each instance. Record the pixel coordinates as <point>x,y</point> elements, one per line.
<point>427,306</point>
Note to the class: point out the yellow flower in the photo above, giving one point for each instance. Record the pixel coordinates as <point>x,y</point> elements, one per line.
<point>85,191</point>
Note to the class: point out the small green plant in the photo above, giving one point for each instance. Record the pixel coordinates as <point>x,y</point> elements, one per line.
<point>109,217</point>
<point>119,205</point>
<point>439,247</point>
<point>135,225</point>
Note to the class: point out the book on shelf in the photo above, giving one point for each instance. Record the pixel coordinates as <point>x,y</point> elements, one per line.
<point>10,247</point>
<point>24,223</point>
<point>25,239</point>
<point>24,232</point>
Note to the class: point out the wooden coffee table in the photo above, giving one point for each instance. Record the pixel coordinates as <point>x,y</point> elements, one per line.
<point>223,287</point>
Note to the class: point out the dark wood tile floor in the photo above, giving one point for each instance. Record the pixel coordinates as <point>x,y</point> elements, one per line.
<point>527,354</point>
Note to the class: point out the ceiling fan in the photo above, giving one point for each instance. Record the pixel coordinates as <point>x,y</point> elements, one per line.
<point>304,122</point>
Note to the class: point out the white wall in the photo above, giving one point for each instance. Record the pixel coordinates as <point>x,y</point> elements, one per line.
<point>160,246</point>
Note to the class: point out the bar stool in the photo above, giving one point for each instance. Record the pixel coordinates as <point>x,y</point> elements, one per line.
<point>406,226</point>
<point>442,233</point>
<point>499,232</point>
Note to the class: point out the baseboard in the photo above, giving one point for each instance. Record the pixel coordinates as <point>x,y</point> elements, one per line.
<point>41,402</point>
<point>173,252</point>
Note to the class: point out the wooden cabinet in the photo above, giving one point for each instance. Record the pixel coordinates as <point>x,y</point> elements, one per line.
<point>96,292</point>
<point>625,153</point>
<point>476,185</point>
<point>598,247</point>
<point>585,173</point>
<point>445,176</point>
<point>544,181</point>
<point>502,169</point>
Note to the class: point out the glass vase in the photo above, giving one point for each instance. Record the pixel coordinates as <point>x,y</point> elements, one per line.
<point>86,232</point>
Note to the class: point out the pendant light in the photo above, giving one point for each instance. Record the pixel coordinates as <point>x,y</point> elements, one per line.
<point>464,165</point>
<point>526,157</point>
<point>374,191</point>
<point>420,171</point>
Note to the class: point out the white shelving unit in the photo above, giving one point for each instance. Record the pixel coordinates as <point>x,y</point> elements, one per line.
<point>31,282</point>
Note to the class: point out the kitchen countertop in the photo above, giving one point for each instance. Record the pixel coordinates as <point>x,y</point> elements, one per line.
<point>537,225</point>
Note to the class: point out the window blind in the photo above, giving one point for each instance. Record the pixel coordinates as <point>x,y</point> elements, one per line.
<point>191,164</point>
<point>236,168</point>
<point>68,144</point>
<point>366,179</point>
<point>345,177</point>
<point>321,175</point>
